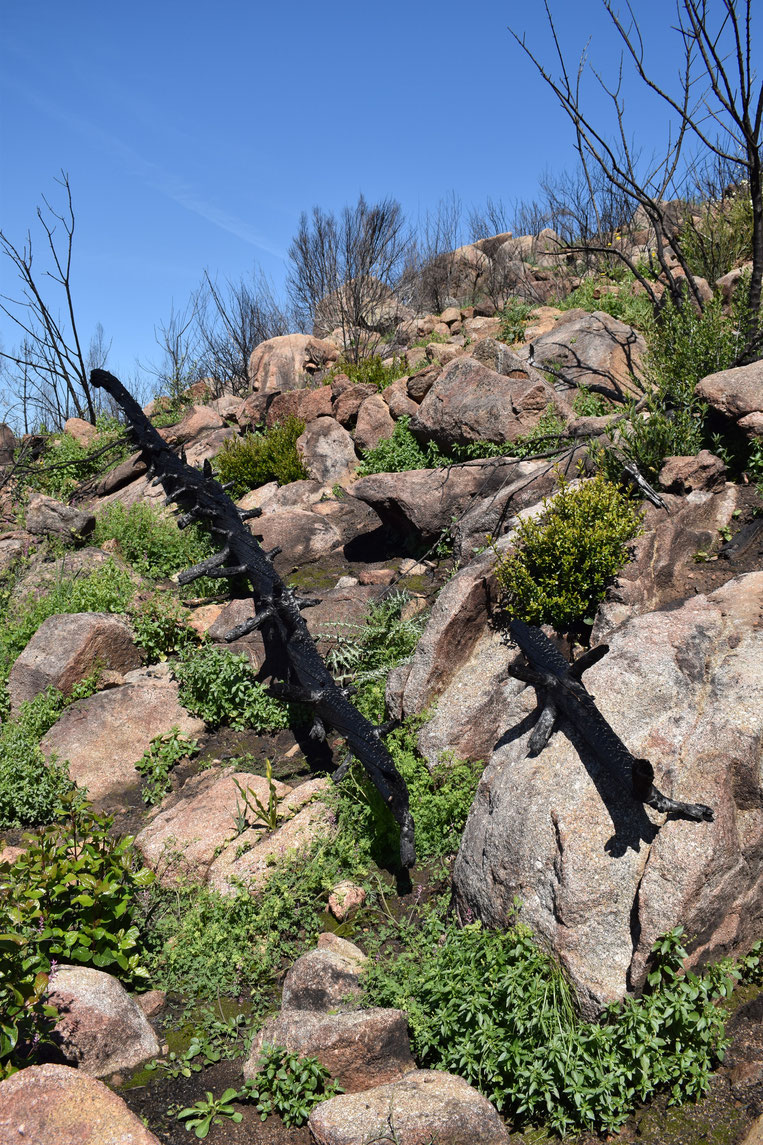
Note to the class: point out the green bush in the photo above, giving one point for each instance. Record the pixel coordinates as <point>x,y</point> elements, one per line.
<point>289,1085</point>
<point>221,687</point>
<point>64,463</point>
<point>69,897</point>
<point>624,303</point>
<point>371,371</point>
<point>514,321</point>
<point>161,628</point>
<point>495,1009</point>
<point>158,760</point>
<point>683,348</point>
<point>265,455</point>
<point>567,557</point>
<point>32,789</point>
<point>401,451</point>
<point>151,542</point>
<point>720,238</point>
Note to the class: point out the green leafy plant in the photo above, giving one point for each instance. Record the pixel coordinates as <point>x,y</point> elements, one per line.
<point>65,463</point>
<point>26,1017</point>
<point>151,542</point>
<point>161,628</point>
<point>625,302</point>
<point>566,558</point>
<point>396,454</point>
<point>221,688</point>
<point>213,1039</point>
<point>210,1111</point>
<point>157,762</point>
<point>265,455</point>
<point>370,371</point>
<point>289,1085</point>
<point>588,404</point>
<point>497,1010</point>
<point>514,320</point>
<point>252,803</point>
<point>32,788</point>
<point>718,235</point>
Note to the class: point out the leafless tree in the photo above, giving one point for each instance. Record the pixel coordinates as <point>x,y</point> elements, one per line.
<point>50,368</point>
<point>431,278</point>
<point>718,104</point>
<point>179,343</point>
<point>343,270</point>
<point>490,220</point>
<point>232,319</point>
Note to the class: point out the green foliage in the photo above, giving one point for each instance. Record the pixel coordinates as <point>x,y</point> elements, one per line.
<point>161,629</point>
<point>150,541</point>
<point>69,897</point>
<point>364,654</point>
<point>718,236</point>
<point>268,816</point>
<point>157,762</point>
<point>514,320</point>
<point>213,1039</point>
<point>588,404</point>
<point>401,451</point>
<point>107,589</point>
<point>289,1085</point>
<point>210,1111</point>
<point>567,557</point>
<point>623,303</point>
<point>32,788</point>
<point>372,371</point>
<point>495,1009</point>
<point>65,463</point>
<point>265,455</point>
<point>221,688</point>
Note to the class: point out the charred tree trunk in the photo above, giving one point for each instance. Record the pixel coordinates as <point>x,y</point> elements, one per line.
<point>296,670</point>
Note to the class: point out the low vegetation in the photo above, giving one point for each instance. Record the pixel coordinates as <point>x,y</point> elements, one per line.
<point>262,456</point>
<point>566,558</point>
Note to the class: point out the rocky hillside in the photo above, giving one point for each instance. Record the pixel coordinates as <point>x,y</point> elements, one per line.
<point>479,463</point>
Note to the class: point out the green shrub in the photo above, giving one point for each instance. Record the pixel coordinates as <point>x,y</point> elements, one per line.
<point>32,789</point>
<point>221,687</point>
<point>588,404</point>
<point>158,760</point>
<point>498,1011</point>
<point>401,451</point>
<point>289,1085</point>
<point>514,321</point>
<point>64,463</point>
<point>720,238</point>
<point>683,348</point>
<point>151,542</point>
<point>568,556</point>
<point>70,897</point>
<point>624,303</point>
<point>161,628</point>
<point>371,371</point>
<point>364,654</point>
<point>265,455</point>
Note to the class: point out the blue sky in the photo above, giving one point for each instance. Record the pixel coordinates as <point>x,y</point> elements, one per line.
<point>195,135</point>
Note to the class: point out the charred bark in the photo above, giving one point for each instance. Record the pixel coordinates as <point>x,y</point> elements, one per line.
<point>295,669</point>
<point>561,691</point>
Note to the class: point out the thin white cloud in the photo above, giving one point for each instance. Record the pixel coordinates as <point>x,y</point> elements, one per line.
<point>149,172</point>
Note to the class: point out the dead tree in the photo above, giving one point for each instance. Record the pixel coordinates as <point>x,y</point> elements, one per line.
<point>292,664</point>
<point>718,104</point>
<point>562,692</point>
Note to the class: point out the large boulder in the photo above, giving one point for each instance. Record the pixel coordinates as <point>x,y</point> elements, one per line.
<point>374,422</point>
<point>325,979</point>
<point>424,1106</point>
<point>288,362</point>
<point>599,875</point>
<point>589,349</point>
<point>47,517</point>
<point>737,396</point>
<point>470,402</point>
<point>361,1048</point>
<point>425,501</point>
<point>100,1028</point>
<point>58,1105</point>
<point>302,535</point>
<point>103,736</point>
<point>327,451</point>
<point>67,648</point>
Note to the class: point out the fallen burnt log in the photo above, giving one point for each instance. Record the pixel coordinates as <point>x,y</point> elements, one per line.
<point>293,667</point>
<point>561,691</point>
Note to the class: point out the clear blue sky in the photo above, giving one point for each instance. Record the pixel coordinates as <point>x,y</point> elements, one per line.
<point>195,134</point>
